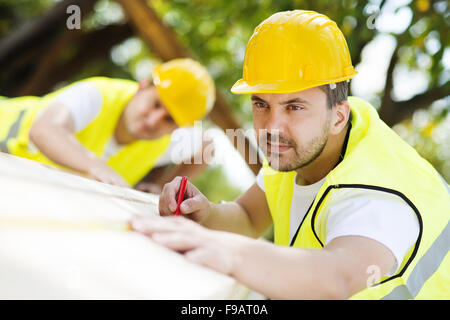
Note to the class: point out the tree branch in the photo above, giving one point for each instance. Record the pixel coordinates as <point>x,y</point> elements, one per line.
<point>90,47</point>
<point>387,106</point>
<point>404,109</point>
<point>38,32</point>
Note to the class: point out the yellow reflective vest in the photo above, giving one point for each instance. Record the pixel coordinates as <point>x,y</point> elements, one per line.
<point>132,162</point>
<point>374,157</point>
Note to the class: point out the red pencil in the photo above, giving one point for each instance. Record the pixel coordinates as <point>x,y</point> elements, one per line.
<point>181,191</point>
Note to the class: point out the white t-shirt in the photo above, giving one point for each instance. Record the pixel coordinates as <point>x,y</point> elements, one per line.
<point>84,101</point>
<point>378,215</point>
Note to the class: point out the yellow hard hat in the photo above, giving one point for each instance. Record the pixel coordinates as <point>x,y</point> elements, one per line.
<point>185,88</point>
<point>292,51</point>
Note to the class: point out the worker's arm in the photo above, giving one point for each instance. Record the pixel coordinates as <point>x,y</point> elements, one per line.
<point>249,215</point>
<point>342,268</point>
<point>53,134</point>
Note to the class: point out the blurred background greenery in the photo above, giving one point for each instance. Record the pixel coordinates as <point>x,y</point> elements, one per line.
<point>399,47</point>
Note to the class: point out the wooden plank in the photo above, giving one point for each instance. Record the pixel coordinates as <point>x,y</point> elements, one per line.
<point>65,237</point>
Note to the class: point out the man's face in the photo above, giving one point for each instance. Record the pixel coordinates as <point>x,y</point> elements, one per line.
<point>146,117</point>
<point>292,128</point>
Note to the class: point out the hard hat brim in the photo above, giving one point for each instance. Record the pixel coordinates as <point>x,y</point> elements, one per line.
<point>243,87</point>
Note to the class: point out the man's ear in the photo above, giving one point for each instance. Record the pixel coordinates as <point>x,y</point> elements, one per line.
<point>340,115</point>
<point>145,83</point>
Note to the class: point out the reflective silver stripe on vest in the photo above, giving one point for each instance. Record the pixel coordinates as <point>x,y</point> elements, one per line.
<point>426,266</point>
<point>13,131</point>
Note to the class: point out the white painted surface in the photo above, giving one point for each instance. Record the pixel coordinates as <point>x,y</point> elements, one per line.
<point>65,237</point>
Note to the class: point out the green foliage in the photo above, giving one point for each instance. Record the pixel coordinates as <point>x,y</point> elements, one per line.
<point>14,12</point>
<point>427,132</point>
<point>217,31</point>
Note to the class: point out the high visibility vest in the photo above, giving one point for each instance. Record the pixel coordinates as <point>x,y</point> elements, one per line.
<point>374,157</point>
<point>132,162</point>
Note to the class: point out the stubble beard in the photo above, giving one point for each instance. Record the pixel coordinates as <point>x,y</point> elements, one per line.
<point>301,156</point>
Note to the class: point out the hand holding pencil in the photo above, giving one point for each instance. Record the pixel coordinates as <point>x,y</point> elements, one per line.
<point>180,197</point>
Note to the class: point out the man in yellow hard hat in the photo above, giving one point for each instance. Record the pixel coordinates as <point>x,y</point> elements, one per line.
<point>356,211</point>
<point>112,130</point>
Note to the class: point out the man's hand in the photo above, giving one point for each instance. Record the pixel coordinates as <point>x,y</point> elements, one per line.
<point>195,205</point>
<point>213,249</point>
<point>249,215</point>
<point>100,171</point>
<point>337,271</point>
<point>53,133</point>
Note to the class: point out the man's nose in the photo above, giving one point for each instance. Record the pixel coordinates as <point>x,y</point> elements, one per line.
<point>275,122</point>
<point>155,117</point>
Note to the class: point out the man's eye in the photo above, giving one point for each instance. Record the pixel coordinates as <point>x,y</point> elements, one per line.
<point>295,107</point>
<point>259,104</point>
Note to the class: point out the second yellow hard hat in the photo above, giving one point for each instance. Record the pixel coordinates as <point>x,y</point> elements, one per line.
<point>293,51</point>
<point>185,88</point>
